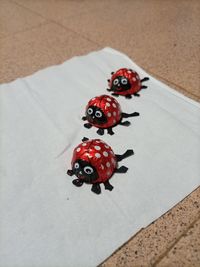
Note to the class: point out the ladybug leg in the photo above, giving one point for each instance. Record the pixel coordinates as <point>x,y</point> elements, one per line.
<point>70,172</point>
<point>108,186</point>
<point>77,182</point>
<point>128,153</point>
<point>108,80</point>
<point>115,94</point>
<point>128,96</point>
<point>110,131</point>
<point>112,72</point>
<point>85,139</point>
<point>143,87</point>
<point>125,123</point>
<point>96,188</point>
<point>136,94</point>
<point>84,118</point>
<point>87,125</point>
<point>144,79</point>
<point>126,115</point>
<point>109,90</point>
<point>100,131</point>
<point>121,169</point>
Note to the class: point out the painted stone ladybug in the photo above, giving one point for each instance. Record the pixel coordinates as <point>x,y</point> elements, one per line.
<point>126,82</point>
<point>94,162</point>
<point>104,112</point>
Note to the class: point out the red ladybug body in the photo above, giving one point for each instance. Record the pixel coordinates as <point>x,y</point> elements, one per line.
<point>100,155</point>
<point>126,82</point>
<point>104,112</point>
<point>94,162</point>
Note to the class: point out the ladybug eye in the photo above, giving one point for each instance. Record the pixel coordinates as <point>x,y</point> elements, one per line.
<point>115,82</point>
<point>88,170</point>
<point>76,165</point>
<point>98,114</point>
<point>124,81</point>
<point>90,111</point>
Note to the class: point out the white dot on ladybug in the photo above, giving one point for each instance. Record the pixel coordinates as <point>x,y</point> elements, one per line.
<point>106,146</point>
<point>114,113</point>
<point>114,105</point>
<point>134,79</point>
<point>78,149</point>
<point>97,147</point>
<point>129,71</point>
<point>108,99</point>
<point>108,164</point>
<point>97,155</point>
<point>107,104</point>
<point>109,114</point>
<point>105,154</point>
<point>84,144</point>
<point>114,121</point>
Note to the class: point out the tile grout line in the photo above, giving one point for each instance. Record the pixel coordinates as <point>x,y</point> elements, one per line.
<point>194,96</point>
<point>174,243</point>
<point>57,23</point>
<point>47,21</point>
<point>77,33</point>
<point>143,228</point>
<point>25,30</point>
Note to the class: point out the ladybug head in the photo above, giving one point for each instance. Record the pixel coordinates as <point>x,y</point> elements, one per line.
<point>95,115</point>
<point>120,83</point>
<point>85,171</point>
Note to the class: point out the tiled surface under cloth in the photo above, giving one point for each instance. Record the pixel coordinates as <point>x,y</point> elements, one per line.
<point>160,36</point>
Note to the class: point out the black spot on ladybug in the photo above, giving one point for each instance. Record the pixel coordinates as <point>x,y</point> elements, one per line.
<point>95,115</point>
<point>85,171</point>
<point>120,83</point>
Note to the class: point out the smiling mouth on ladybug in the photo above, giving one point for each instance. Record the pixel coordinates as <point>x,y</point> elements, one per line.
<point>85,178</point>
<point>94,119</point>
<point>80,175</point>
<point>117,88</point>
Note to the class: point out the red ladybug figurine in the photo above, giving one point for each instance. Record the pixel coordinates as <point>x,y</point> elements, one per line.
<point>104,112</point>
<point>94,162</point>
<point>126,82</point>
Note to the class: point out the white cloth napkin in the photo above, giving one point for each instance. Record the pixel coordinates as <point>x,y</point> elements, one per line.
<point>47,221</point>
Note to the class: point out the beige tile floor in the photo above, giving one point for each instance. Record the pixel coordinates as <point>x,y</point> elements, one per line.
<point>163,37</point>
